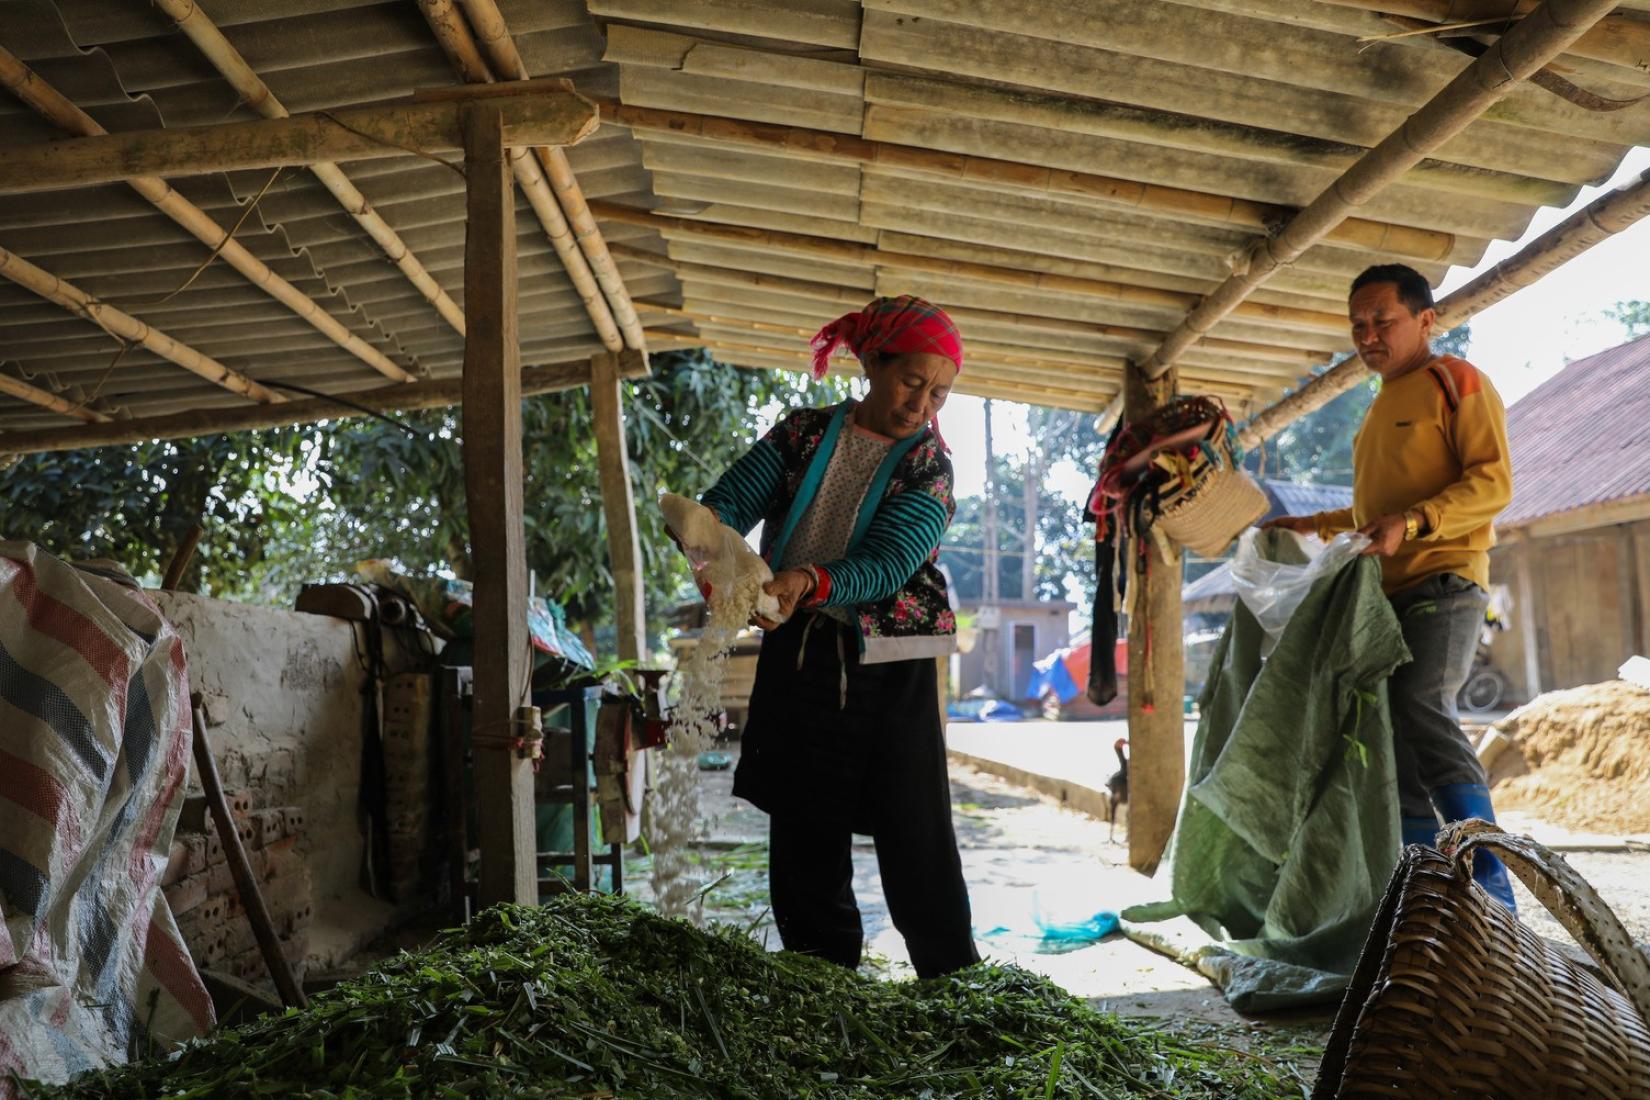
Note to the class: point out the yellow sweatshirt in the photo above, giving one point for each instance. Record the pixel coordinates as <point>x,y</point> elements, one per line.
<point>1435,440</point>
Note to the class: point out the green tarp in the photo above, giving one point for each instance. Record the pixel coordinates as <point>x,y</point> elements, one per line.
<point>1288,832</point>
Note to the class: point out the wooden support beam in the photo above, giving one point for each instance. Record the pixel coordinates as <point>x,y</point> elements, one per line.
<point>453,33</point>
<point>1385,238</point>
<point>348,133</point>
<point>57,109</point>
<point>1157,672</point>
<point>126,328</point>
<point>494,489</point>
<point>380,399</point>
<point>193,21</point>
<point>624,548</point>
<point>1523,50</point>
<point>507,62</point>
<point>871,256</point>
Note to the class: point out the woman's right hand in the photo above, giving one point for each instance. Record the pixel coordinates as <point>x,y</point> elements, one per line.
<point>1301,525</point>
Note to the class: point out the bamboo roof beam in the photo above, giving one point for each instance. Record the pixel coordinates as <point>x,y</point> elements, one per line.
<point>1618,40</point>
<point>1598,221</point>
<point>874,257</point>
<point>45,399</point>
<point>124,327</point>
<point>1543,35</point>
<point>61,112</point>
<point>379,399</point>
<point>1387,238</point>
<point>453,34</point>
<point>494,34</point>
<point>206,36</point>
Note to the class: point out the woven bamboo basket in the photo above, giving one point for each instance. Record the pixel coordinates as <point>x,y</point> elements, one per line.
<point>1454,998</point>
<point>1219,505</point>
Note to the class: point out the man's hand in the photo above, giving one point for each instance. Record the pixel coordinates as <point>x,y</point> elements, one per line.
<point>1385,534</point>
<point>789,586</point>
<point>1301,525</point>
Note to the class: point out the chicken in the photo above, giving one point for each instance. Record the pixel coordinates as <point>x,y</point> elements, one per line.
<point>1117,786</point>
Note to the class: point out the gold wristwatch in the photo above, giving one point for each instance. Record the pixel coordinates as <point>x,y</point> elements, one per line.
<point>1412,526</point>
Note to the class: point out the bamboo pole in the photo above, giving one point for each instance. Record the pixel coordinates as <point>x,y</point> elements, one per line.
<point>1523,50</point>
<point>34,395</point>
<point>494,34</point>
<point>852,252</point>
<point>1387,238</point>
<point>1618,40</point>
<point>1594,223</point>
<point>380,399</point>
<point>453,34</point>
<point>206,36</point>
<point>61,112</point>
<point>123,326</point>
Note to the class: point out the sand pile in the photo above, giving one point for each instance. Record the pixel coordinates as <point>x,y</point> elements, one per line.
<point>1580,759</point>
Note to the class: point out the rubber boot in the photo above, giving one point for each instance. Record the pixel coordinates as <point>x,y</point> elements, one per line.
<point>1419,830</point>
<point>1459,801</point>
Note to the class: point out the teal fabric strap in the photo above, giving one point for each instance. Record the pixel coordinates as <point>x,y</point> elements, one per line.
<point>879,484</point>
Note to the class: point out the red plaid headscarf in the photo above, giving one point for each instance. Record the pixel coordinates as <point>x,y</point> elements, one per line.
<point>891,326</point>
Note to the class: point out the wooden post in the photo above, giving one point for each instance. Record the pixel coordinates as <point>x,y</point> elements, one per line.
<point>493,486</point>
<point>624,549</point>
<point>1529,618</point>
<point>1157,725</point>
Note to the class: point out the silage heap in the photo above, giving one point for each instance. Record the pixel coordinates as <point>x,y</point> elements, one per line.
<point>591,996</point>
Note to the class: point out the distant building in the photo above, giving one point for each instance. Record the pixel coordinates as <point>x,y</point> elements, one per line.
<point>1575,542</point>
<point>1010,637</point>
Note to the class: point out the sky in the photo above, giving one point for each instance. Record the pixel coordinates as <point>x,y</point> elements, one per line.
<point>1519,343</point>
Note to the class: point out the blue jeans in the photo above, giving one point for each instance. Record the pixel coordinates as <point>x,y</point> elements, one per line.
<point>1441,619</point>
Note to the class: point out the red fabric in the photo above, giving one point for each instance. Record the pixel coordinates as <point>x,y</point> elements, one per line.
<point>889,326</point>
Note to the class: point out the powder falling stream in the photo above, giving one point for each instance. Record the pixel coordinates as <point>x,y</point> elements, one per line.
<point>735,575</point>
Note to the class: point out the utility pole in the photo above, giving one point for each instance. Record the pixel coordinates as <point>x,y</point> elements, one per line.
<point>991,633</point>
<point>1030,500</point>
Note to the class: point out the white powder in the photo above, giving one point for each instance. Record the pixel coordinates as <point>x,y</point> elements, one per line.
<point>736,575</point>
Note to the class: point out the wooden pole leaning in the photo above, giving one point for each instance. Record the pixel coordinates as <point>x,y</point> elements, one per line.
<point>494,490</point>
<point>1157,670</point>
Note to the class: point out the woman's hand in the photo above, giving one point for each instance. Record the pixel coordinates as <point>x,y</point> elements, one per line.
<point>789,587</point>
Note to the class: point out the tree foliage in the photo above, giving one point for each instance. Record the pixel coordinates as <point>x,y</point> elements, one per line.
<point>1632,316</point>
<point>304,504</point>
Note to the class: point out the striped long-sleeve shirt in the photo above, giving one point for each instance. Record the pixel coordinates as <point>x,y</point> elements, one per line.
<point>886,573</point>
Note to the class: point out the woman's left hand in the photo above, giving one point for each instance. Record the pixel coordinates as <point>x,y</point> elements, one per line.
<point>789,586</point>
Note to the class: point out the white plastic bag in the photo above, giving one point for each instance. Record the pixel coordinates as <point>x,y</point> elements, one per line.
<point>1274,570</point>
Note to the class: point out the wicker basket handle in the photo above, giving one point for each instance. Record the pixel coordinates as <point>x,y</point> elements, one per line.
<point>1567,896</point>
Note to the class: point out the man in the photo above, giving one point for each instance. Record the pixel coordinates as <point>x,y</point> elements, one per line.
<point>1431,471</point>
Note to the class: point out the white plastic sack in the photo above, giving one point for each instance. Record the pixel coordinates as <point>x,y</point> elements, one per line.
<point>1272,588</point>
<point>716,550</point>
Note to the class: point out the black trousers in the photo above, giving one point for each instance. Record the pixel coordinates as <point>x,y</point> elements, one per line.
<point>828,755</point>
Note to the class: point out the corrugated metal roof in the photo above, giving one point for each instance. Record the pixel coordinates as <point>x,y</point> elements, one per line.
<point>1262,101</point>
<point>1582,437</point>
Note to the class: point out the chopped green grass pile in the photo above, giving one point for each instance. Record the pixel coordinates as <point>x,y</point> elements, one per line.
<point>596,997</point>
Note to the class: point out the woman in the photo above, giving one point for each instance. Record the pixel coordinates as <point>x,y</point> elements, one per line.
<point>844,732</point>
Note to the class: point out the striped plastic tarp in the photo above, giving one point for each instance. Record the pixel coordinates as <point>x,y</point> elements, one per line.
<point>94,752</point>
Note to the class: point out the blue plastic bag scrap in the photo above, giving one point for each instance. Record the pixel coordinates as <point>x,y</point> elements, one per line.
<point>1054,926</point>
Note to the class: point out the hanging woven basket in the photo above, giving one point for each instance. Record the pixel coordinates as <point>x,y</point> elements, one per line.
<point>1454,998</point>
